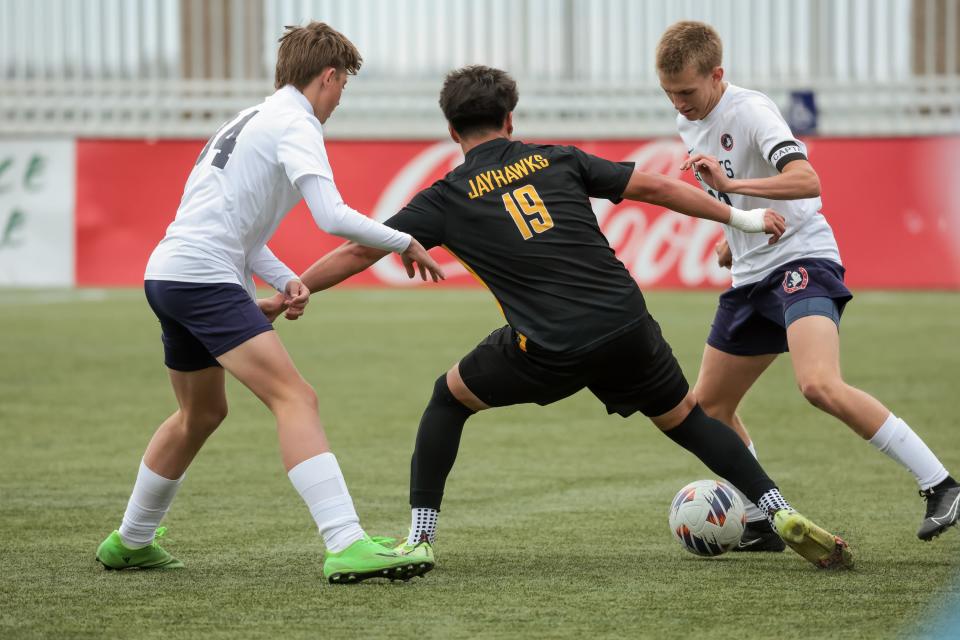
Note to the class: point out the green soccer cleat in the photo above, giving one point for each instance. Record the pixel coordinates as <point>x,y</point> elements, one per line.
<point>113,554</point>
<point>422,550</point>
<point>366,559</point>
<point>820,547</point>
<point>421,553</point>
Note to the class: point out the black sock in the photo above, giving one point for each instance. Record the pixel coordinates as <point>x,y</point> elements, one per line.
<point>438,439</point>
<point>721,449</point>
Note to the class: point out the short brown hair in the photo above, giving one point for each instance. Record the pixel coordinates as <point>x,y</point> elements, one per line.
<point>689,42</point>
<point>306,51</point>
<point>476,99</point>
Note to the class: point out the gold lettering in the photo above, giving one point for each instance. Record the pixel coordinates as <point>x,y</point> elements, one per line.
<point>530,163</point>
<point>482,185</point>
<point>509,173</point>
<point>488,178</point>
<point>498,176</point>
<point>520,169</point>
<point>473,191</point>
<point>544,163</point>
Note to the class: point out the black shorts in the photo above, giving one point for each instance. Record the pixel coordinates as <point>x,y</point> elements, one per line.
<point>635,371</point>
<point>202,321</point>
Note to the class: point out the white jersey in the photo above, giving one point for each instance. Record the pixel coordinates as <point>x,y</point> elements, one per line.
<point>243,184</point>
<point>750,139</point>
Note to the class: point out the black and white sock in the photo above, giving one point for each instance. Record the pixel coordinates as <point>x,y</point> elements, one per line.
<point>771,502</point>
<point>423,524</point>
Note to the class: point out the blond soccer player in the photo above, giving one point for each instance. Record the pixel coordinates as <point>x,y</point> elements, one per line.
<point>787,296</point>
<point>198,282</point>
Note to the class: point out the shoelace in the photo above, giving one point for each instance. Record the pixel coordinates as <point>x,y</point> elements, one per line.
<point>932,501</point>
<point>385,541</point>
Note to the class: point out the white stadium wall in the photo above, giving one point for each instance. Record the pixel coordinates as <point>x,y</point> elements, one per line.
<point>37,204</point>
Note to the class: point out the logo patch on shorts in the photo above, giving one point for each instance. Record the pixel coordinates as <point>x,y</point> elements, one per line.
<point>726,141</point>
<point>795,280</point>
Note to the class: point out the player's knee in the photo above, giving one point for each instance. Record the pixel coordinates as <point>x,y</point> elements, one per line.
<point>443,396</point>
<point>204,420</point>
<point>820,391</point>
<point>308,396</point>
<point>716,407</point>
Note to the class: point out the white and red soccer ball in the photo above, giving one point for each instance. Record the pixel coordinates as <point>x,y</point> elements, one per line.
<point>707,518</point>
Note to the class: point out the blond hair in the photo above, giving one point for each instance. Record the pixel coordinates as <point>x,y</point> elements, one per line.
<point>689,43</point>
<point>306,51</point>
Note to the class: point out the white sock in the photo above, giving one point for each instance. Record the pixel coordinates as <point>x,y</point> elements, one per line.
<point>896,439</point>
<point>321,485</point>
<point>149,502</point>
<point>753,513</point>
<point>423,521</point>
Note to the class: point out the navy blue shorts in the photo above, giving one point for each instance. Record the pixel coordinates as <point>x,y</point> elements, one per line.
<point>202,321</point>
<point>751,319</point>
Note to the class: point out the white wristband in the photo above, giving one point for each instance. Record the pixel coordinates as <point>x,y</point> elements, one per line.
<point>747,221</point>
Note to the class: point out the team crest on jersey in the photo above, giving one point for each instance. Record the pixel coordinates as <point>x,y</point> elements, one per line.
<point>795,280</point>
<point>726,141</point>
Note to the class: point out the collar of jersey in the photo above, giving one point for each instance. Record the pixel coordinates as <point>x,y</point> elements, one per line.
<point>485,146</point>
<point>720,106</point>
<point>288,90</point>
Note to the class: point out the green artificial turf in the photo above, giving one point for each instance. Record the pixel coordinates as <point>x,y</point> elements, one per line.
<point>555,519</point>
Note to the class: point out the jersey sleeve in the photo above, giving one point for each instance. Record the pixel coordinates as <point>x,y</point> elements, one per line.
<point>771,135</point>
<point>603,178</point>
<point>422,218</point>
<point>301,152</point>
<point>333,215</point>
<point>269,267</point>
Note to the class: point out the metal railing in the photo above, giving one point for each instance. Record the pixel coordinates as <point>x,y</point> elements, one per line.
<point>178,68</point>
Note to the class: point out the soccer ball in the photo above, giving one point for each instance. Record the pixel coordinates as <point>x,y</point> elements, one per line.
<point>707,518</point>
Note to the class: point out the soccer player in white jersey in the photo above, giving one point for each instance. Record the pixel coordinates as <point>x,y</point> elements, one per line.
<point>785,296</point>
<point>199,284</point>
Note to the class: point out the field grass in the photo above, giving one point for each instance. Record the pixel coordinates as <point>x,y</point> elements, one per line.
<point>555,520</point>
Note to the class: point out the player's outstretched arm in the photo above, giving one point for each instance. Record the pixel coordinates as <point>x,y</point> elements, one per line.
<point>346,260</point>
<point>351,258</point>
<point>798,179</point>
<point>333,216</point>
<point>335,267</point>
<point>686,199</point>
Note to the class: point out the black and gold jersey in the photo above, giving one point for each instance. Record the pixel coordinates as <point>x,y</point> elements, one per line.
<point>518,217</point>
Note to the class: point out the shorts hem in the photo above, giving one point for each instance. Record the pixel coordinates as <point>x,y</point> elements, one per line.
<point>745,351</point>
<point>190,368</point>
<point>650,411</point>
<point>236,341</point>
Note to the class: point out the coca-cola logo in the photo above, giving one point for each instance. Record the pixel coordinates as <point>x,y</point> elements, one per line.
<point>658,246</point>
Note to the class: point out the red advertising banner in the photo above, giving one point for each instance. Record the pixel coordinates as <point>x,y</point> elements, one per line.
<point>893,203</point>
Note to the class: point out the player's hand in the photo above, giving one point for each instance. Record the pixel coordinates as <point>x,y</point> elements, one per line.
<point>272,307</point>
<point>724,255</point>
<point>415,253</point>
<point>295,298</point>
<point>709,171</point>
<point>774,224</point>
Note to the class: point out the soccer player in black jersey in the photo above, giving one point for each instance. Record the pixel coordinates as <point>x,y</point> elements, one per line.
<point>518,216</point>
